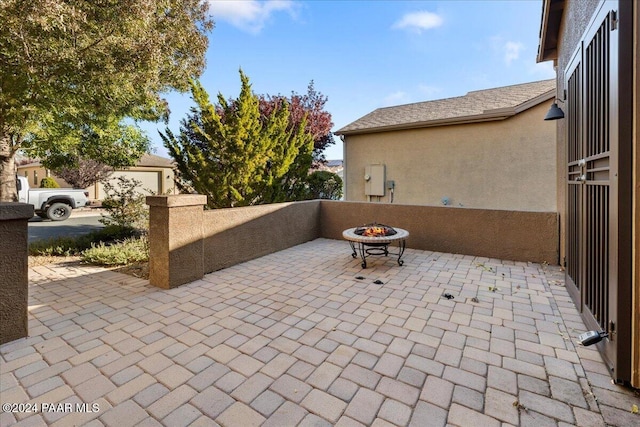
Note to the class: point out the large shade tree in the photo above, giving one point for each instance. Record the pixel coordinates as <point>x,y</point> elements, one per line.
<point>71,71</point>
<point>233,153</point>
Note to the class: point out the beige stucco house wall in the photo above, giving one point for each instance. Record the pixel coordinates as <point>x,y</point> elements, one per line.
<point>502,158</point>
<point>155,173</point>
<point>563,37</point>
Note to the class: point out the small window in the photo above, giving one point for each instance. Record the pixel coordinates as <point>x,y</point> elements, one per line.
<point>35,178</point>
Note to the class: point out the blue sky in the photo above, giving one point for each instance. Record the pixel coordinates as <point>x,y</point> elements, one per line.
<point>367,54</point>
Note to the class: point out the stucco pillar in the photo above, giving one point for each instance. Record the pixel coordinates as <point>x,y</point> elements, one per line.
<point>14,270</point>
<point>176,246</point>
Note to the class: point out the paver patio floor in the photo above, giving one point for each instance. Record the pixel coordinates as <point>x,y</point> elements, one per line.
<point>296,339</point>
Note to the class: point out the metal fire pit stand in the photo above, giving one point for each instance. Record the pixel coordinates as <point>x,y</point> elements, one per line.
<point>377,245</point>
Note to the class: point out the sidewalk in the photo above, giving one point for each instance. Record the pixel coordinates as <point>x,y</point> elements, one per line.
<point>88,211</point>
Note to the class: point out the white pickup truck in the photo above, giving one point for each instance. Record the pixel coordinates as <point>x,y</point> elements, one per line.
<point>52,203</point>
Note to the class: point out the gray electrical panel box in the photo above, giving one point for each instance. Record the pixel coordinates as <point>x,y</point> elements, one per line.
<point>374,180</point>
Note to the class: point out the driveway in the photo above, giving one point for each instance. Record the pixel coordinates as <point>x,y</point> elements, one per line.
<point>83,222</point>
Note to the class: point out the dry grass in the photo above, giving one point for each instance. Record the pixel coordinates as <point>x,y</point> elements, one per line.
<point>47,260</point>
<point>140,270</point>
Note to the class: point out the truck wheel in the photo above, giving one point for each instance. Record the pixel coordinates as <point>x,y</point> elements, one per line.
<point>58,212</point>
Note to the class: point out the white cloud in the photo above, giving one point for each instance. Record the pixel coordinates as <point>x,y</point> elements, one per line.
<point>249,15</point>
<point>418,21</point>
<point>429,91</point>
<point>543,70</point>
<point>420,93</point>
<point>395,98</point>
<point>512,51</point>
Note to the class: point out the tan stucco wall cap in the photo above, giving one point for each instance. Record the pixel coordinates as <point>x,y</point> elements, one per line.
<point>12,210</point>
<point>177,200</point>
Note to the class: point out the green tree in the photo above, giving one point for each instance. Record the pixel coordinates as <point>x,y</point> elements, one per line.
<point>83,172</point>
<point>231,152</point>
<point>310,107</point>
<point>71,71</point>
<point>48,182</point>
<point>324,185</point>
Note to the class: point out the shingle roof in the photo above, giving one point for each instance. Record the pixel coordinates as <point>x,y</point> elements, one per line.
<point>481,105</point>
<point>147,160</point>
<point>151,160</point>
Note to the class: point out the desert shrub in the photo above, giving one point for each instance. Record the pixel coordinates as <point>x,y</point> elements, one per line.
<point>48,182</point>
<point>59,246</point>
<point>112,233</point>
<point>125,205</point>
<point>70,246</point>
<point>126,252</point>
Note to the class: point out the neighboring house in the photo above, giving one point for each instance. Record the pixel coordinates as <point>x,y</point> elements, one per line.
<point>489,149</point>
<point>334,166</point>
<point>595,48</point>
<point>155,173</point>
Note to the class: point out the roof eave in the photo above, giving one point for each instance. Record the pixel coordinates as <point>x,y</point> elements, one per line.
<point>549,29</point>
<point>486,116</point>
<point>493,115</point>
<point>535,101</point>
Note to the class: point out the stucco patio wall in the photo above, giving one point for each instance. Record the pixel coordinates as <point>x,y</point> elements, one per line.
<point>508,235</point>
<point>14,273</point>
<point>232,236</point>
<point>187,242</point>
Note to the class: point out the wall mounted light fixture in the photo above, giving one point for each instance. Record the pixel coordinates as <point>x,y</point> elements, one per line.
<point>554,112</point>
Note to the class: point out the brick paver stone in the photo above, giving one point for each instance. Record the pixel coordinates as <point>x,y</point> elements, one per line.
<point>569,391</point>
<point>389,365</point>
<point>126,414</point>
<point>549,407</point>
<point>437,391</point>
<point>170,401</point>
<point>348,422</point>
<point>288,414</point>
<point>500,405</point>
<point>252,387</point>
<point>426,414</point>
<point>182,417</point>
<point>240,414</point>
<point>364,406</point>
<point>291,388</point>
<point>324,405</point>
<point>395,412</point>
<point>212,401</point>
<point>324,376</point>
<point>361,376</point>
<point>468,397</point>
<point>267,403</point>
<point>462,416</point>
<point>293,339</point>
<point>150,394</point>
<point>588,418</point>
<point>173,376</point>
<point>130,389</point>
<point>208,376</point>
<point>94,388</point>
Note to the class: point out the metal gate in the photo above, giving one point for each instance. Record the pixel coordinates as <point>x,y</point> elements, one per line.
<point>592,161</point>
